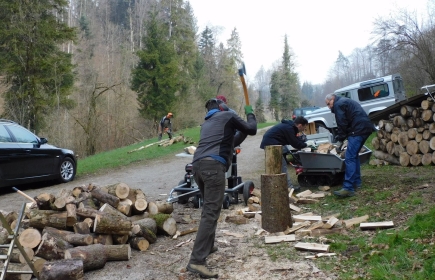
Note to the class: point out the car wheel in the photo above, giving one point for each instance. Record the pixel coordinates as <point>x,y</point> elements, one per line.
<point>67,170</point>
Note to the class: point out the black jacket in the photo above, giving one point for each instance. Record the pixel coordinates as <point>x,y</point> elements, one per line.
<point>351,119</point>
<point>283,133</point>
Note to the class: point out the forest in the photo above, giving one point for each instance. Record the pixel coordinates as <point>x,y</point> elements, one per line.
<point>94,75</point>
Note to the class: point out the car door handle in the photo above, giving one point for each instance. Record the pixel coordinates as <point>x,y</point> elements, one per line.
<point>27,151</point>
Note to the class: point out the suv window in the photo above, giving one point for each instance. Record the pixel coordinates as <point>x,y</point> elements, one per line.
<point>4,135</point>
<point>344,94</point>
<point>373,92</point>
<point>22,135</point>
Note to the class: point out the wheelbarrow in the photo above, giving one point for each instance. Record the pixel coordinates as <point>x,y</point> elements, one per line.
<point>187,189</point>
<point>319,169</point>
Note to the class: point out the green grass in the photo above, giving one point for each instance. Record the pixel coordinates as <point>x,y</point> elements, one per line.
<point>125,155</point>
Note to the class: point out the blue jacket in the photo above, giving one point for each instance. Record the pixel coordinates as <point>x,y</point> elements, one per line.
<point>282,134</point>
<point>351,119</point>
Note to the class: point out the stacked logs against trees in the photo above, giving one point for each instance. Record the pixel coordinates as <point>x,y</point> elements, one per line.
<point>407,138</point>
<point>80,230</point>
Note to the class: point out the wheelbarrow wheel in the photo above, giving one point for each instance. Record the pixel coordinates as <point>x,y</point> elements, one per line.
<point>226,202</point>
<point>183,199</point>
<point>197,201</point>
<point>248,187</point>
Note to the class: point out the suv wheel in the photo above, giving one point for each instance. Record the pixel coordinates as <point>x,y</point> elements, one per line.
<point>67,170</point>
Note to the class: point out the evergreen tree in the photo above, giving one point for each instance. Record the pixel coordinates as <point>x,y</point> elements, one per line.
<point>274,95</point>
<point>156,77</point>
<point>38,73</point>
<point>259,110</point>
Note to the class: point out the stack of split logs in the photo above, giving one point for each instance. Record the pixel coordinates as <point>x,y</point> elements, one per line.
<point>81,229</point>
<point>407,138</point>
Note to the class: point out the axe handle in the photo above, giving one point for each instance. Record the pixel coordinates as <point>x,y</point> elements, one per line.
<point>245,89</point>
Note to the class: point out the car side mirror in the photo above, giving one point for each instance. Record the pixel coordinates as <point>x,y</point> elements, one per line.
<point>43,141</point>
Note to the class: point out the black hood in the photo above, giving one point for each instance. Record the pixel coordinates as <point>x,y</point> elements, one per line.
<point>287,122</point>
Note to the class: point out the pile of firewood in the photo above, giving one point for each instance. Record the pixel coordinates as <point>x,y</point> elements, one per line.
<point>81,229</point>
<point>407,137</point>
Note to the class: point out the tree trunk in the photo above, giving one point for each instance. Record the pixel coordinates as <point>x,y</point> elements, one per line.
<point>165,224</point>
<point>93,256</point>
<point>70,269</point>
<point>105,197</point>
<point>273,160</point>
<point>30,238</point>
<point>404,159</point>
<point>147,229</point>
<point>276,216</point>
<point>52,247</point>
<point>47,218</point>
<point>72,238</point>
<point>139,243</point>
<point>111,225</point>
<point>387,157</point>
<point>118,252</point>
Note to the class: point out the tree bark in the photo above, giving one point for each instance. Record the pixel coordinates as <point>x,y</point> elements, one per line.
<point>47,218</point>
<point>385,156</point>
<point>93,256</point>
<point>52,247</point>
<point>105,197</point>
<point>273,159</point>
<point>71,237</point>
<point>118,252</point>
<point>147,229</point>
<point>70,269</point>
<point>276,216</point>
<point>111,225</point>
<point>30,238</point>
<point>139,243</point>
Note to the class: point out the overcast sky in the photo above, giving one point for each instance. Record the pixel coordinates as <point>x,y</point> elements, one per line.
<point>316,30</point>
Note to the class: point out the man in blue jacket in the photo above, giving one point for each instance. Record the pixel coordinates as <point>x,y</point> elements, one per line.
<point>211,160</point>
<point>353,124</point>
<point>285,133</point>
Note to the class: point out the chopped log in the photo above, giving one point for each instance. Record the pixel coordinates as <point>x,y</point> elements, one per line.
<point>82,228</point>
<point>105,197</point>
<point>86,201</point>
<point>52,247</point>
<point>376,225</point>
<point>70,269</point>
<point>62,199</point>
<point>432,128</point>
<point>427,115</point>
<point>125,206</point>
<point>120,239</point>
<point>424,147</point>
<point>412,147</point>
<point>165,224</point>
<point>120,190</point>
<point>71,216</point>
<point>152,208</point>
<point>432,143</point>
<point>406,110</point>
<point>50,218</point>
<point>30,238</point>
<point>312,247</point>
<point>254,207</point>
<point>426,159</point>
<point>375,143</point>
<point>273,159</point>
<point>357,220</point>
<point>45,201</point>
<point>77,191</point>
<point>302,218</point>
<point>109,209</point>
<point>380,134</point>
<point>72,238</point>
<point>139,217</point>
<point>164,207</point>
<point>419,137</point>
<point>404,159</point>
<point>276,217</point>
<point>399,121</point>
<point>111,225</point>
<point>330,223</point>
<point>387,157</point>
<point>103,239</point>
<point>296,227</point>
<point>389,126</point>
<point>4,236</point>
<point>394,138</point>
<point>16,256</point>
<point>415,160</point>
<point>403,138</point>
<point>118,252</point>
<point>139,243</point>
<point>426,104</point>
<point>398,149</point>
<point>257,192</point>
<point>390,147</point>
<point>17,276</point>
<point>140,203</point>
<point>88,212</point>
<point>427,135</point>
<point>93,256</point>
<point>279,238</point>
<point>238,220</point>
<point>147,229</point>
<point>38,263</point>
<point>411,133</point>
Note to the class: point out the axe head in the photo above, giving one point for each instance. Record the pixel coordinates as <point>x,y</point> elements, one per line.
<point>242,70</point>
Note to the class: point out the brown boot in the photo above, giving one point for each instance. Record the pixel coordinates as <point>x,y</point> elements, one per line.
<point>202,270</point>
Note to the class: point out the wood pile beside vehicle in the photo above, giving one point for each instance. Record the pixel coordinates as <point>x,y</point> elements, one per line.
<point>91,223</point>
<point>406,138</point>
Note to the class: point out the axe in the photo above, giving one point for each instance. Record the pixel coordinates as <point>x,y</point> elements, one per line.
<point>242,72</point>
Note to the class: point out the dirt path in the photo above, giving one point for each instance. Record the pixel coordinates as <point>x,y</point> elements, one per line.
<point>238,257</point>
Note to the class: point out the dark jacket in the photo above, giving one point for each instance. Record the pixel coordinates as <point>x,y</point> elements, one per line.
<point>283,133</point>
<point>351,119</point>
<point>218,139</point>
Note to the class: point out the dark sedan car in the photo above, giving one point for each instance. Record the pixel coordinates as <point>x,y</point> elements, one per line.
<point>26,158</point>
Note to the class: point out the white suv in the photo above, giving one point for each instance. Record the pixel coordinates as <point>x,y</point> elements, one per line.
<point>373,95</point>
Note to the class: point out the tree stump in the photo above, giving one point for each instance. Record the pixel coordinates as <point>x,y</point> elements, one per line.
<point>93,256</point>
<point>276,216</point>
<point>70,269</point>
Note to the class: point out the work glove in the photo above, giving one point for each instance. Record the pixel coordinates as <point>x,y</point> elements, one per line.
<point>303,138</point>
<point>311,143</point>
<point>338,146</point>
<point>248,110</point>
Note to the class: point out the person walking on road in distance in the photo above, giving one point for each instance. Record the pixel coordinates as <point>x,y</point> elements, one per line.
<point>353,124</point>
<point>165,125</point>
<point>285,133</point>
<point>211,160</point>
